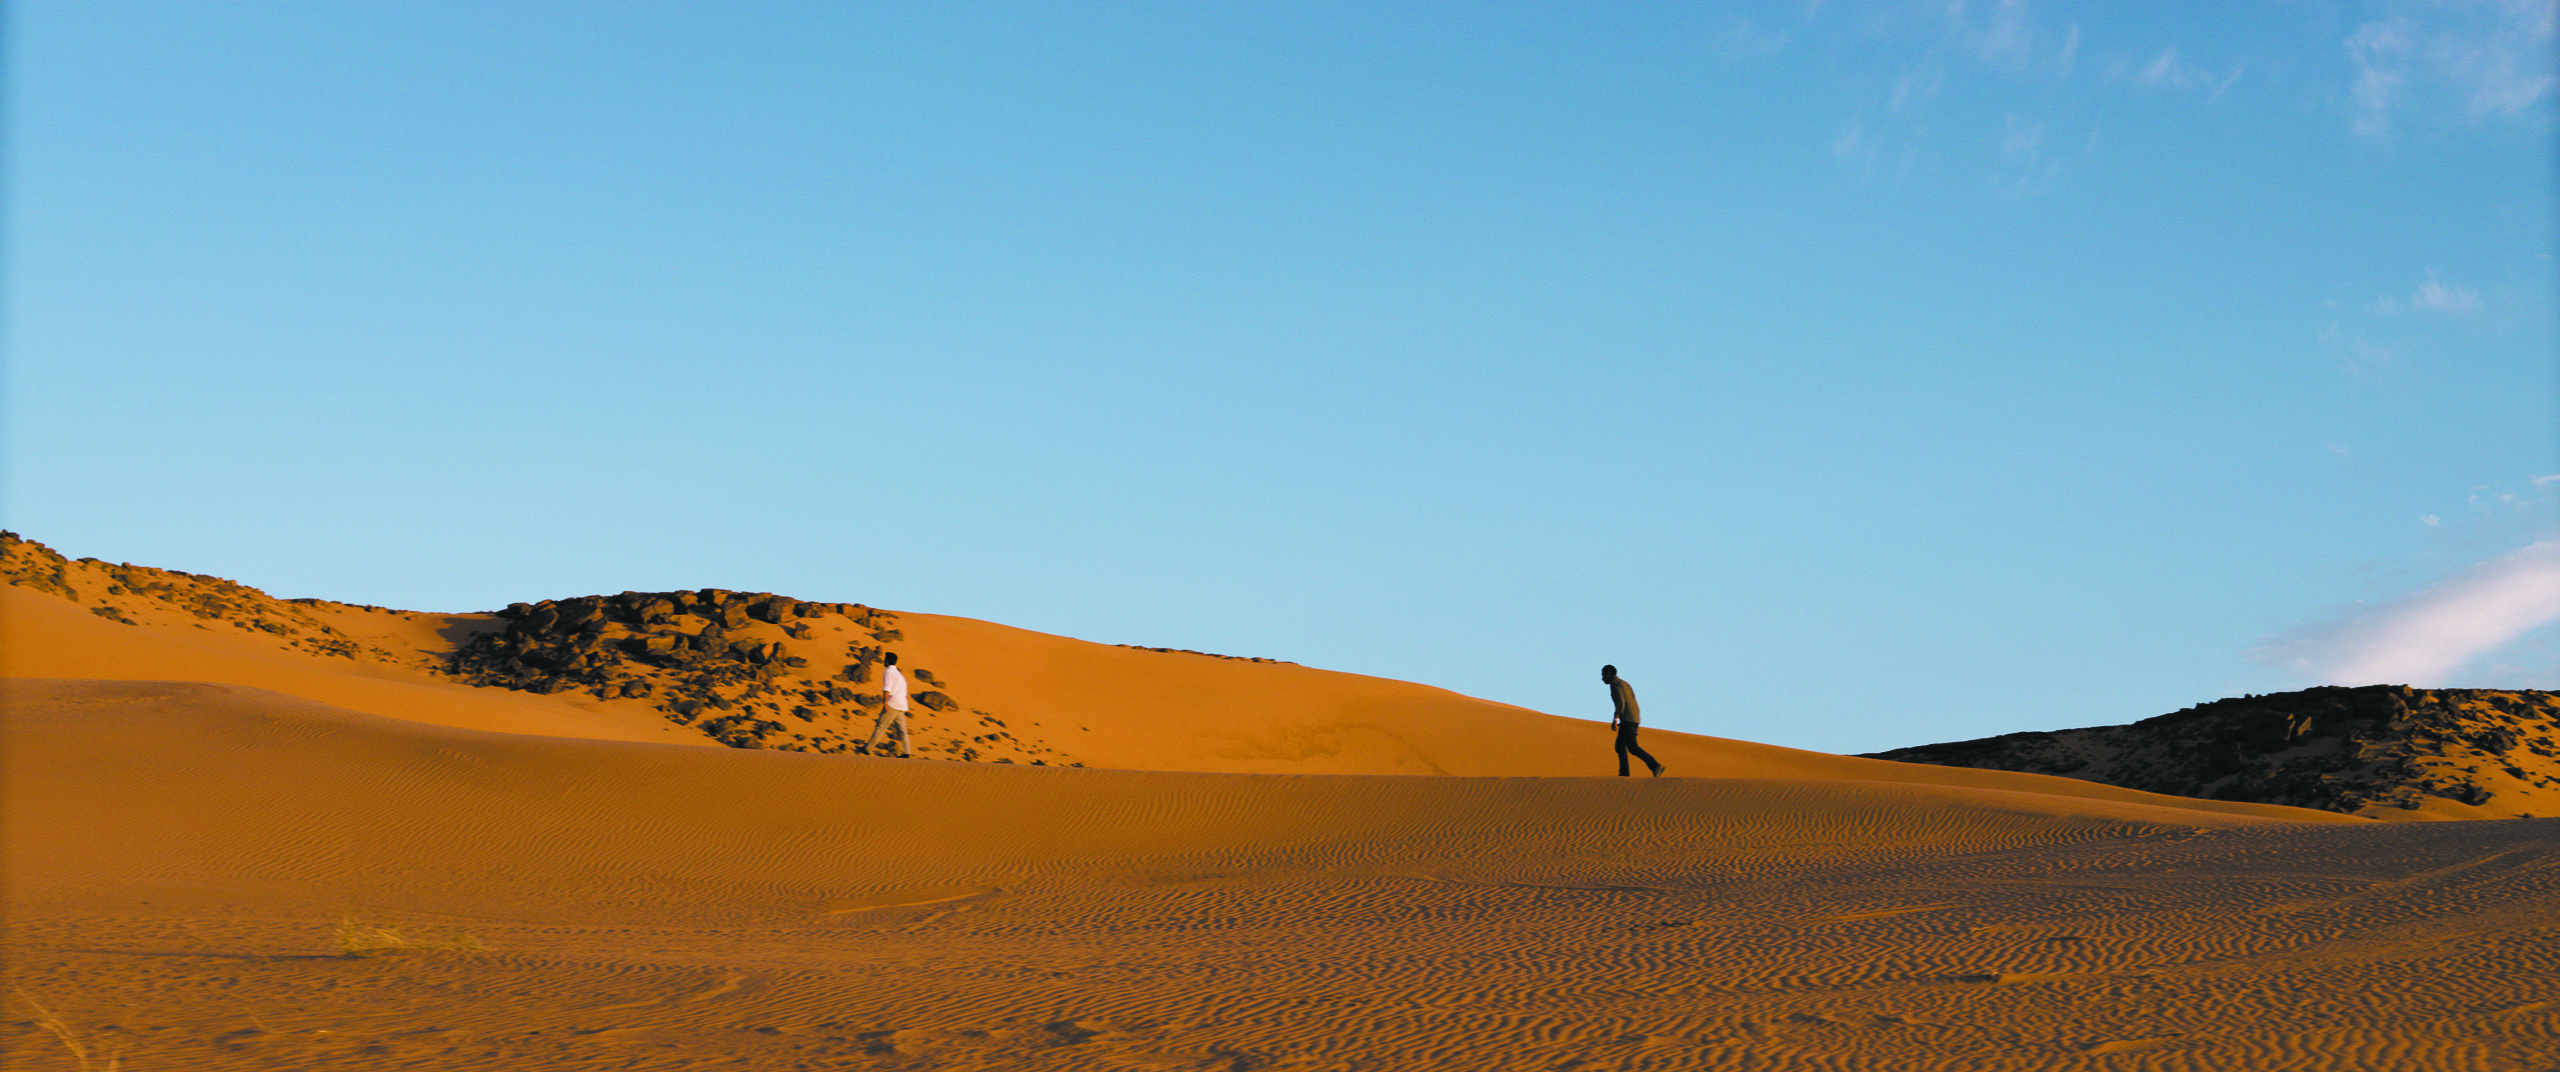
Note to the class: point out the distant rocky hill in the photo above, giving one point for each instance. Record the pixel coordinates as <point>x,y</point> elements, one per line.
<point>112,590</point>
<point>2464,753</point>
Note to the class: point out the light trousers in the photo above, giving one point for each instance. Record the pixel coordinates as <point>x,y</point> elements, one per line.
<point>891,719</point>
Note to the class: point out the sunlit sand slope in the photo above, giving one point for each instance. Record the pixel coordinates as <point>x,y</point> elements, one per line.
<point>179,855</point>
<point>1097,704</point>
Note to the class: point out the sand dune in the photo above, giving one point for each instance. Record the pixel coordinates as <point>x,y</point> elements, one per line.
<point>180,854</point>
<point>207,796</point>
<point>1059,699</point>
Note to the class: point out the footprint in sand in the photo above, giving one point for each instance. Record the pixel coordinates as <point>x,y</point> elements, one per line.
<point>905,898</point>
<point>2160,1042</point>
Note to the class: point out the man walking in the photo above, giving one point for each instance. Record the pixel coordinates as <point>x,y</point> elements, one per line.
<point>1624,719</point>
<point>893,714</point>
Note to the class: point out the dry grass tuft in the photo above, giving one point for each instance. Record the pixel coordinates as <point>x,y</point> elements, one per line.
<point>371,940</point>
<point>109,1061</point>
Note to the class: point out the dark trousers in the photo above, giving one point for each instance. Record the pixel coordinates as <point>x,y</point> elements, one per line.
<point>1627,743</point>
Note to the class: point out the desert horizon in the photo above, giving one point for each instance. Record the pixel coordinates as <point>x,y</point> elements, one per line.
<point>1018,536</point>
<point>250,833</point>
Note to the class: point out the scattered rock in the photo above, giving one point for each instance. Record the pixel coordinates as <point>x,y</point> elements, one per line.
<point>1209,654</point>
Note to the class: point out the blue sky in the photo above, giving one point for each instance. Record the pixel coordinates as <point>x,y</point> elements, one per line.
<point>1851,374</point>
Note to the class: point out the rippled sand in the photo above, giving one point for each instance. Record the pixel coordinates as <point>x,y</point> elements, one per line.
<point>180,855</point>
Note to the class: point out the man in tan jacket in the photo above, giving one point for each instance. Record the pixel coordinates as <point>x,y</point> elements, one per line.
<point>1624,718</point>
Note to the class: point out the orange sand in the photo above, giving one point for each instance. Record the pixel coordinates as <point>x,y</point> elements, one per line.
<point>179,855</point>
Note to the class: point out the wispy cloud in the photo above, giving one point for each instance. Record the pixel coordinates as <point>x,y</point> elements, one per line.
<point>2030,169</point>
<point>2166,72</point>
<point>2425,638</point>
<point>1915,89</point>
<point>2435,297</point>
<point>2493,56</point>
<point>2432,296</point>
<point>2380,52</point>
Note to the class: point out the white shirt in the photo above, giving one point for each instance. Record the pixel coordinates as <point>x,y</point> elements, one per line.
<point>894,684</point>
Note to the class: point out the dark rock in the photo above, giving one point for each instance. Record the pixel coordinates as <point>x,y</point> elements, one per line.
<point>935,701</point>
<point>2332,748</point>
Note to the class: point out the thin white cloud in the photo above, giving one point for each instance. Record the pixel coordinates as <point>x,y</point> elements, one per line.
<point>2426,638</point>
<point>2030,168</point>
<point>2435,297</point>
<point>2495,57</point>
<point>2009,42</point>
<point>2506,66</point>
<point>1916,88</point>
<point>2366,359</point>
<point>2379,51</point>
<point>2019,137</point>
<point>1852,144</point>
<point>2167,73</point>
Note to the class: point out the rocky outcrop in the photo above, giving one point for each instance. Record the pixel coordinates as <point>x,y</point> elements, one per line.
<point>2332,748</point>
<point>744,668</point>
<point>691,653</point>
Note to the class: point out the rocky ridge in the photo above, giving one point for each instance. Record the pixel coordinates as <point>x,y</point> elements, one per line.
<point>2471,753</point>
<point>744,669</point>
<point>116,591</point>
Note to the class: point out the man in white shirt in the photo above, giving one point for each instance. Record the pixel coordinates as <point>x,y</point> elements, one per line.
<point>893,685</point>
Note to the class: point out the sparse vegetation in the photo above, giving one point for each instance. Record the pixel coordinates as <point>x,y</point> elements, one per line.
<point>357,939</point>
